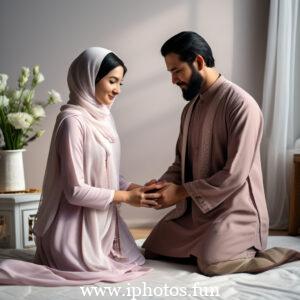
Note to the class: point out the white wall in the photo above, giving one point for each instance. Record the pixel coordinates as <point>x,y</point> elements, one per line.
<point>52,33</point>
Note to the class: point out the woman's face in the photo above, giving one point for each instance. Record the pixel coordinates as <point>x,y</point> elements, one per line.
<point>109,86</point>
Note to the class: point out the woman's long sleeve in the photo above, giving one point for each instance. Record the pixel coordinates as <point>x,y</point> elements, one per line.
<point>245,131</point>
<point>70,148</point>
<point>123,183</point>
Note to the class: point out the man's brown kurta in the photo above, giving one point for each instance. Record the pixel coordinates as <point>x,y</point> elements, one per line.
<point>218,162</point>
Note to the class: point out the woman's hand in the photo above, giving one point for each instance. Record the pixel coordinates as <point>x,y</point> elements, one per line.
<point>145,196</point>
<point>142,197</point>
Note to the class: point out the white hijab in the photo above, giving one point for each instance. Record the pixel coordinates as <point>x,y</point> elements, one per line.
<point>81,80</point>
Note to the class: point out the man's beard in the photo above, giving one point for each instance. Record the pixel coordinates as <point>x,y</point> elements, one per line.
<point>193,87</point>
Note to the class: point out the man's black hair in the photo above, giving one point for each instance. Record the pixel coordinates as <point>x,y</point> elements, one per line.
<point>189,44</point>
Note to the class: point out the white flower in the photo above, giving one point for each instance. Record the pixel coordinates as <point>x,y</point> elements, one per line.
<point>27,95</point>
<point>24,76</point>
<point>38,111</point>
<point>16,94</point>
<point>38,78</point>
<point>20,120</point>
<point>3,81</point>
<point>25,72</point>
<point>39,133</point>
<point>36,70</point>
<point>54,97</point>
<point>4,101</point>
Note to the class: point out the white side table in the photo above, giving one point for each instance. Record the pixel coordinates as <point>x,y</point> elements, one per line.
<point>17,215</point>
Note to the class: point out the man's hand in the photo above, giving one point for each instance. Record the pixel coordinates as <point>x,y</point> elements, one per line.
<point>153,181</point>
<point>133,186</point>
<point>170,195</point>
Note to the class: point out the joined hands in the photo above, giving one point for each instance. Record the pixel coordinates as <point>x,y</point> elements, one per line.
<point>163,193</point>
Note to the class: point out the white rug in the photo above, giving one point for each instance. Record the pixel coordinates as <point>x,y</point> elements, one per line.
<point>175,281</point>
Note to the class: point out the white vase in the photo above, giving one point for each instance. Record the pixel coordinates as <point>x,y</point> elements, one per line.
<point>12,177</point>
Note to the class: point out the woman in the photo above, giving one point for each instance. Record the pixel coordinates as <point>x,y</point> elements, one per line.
<point>80,237</point>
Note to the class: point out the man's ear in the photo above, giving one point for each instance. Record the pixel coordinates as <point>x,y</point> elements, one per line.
<point>200,63</point>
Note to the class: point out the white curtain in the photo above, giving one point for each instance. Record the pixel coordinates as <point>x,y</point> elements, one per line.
<point>280,84</point>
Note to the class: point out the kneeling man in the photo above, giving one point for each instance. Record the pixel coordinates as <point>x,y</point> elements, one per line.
<point>216,183</point>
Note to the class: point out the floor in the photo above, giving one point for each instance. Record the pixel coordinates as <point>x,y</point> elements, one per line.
<point>140,233</point>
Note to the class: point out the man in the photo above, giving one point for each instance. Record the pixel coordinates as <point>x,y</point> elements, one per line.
<point>216,183</point>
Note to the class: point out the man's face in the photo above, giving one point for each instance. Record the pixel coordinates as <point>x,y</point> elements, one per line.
<point>185,75</point>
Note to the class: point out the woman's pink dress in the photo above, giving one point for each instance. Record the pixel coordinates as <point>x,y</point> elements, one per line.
<point>87,241</point>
